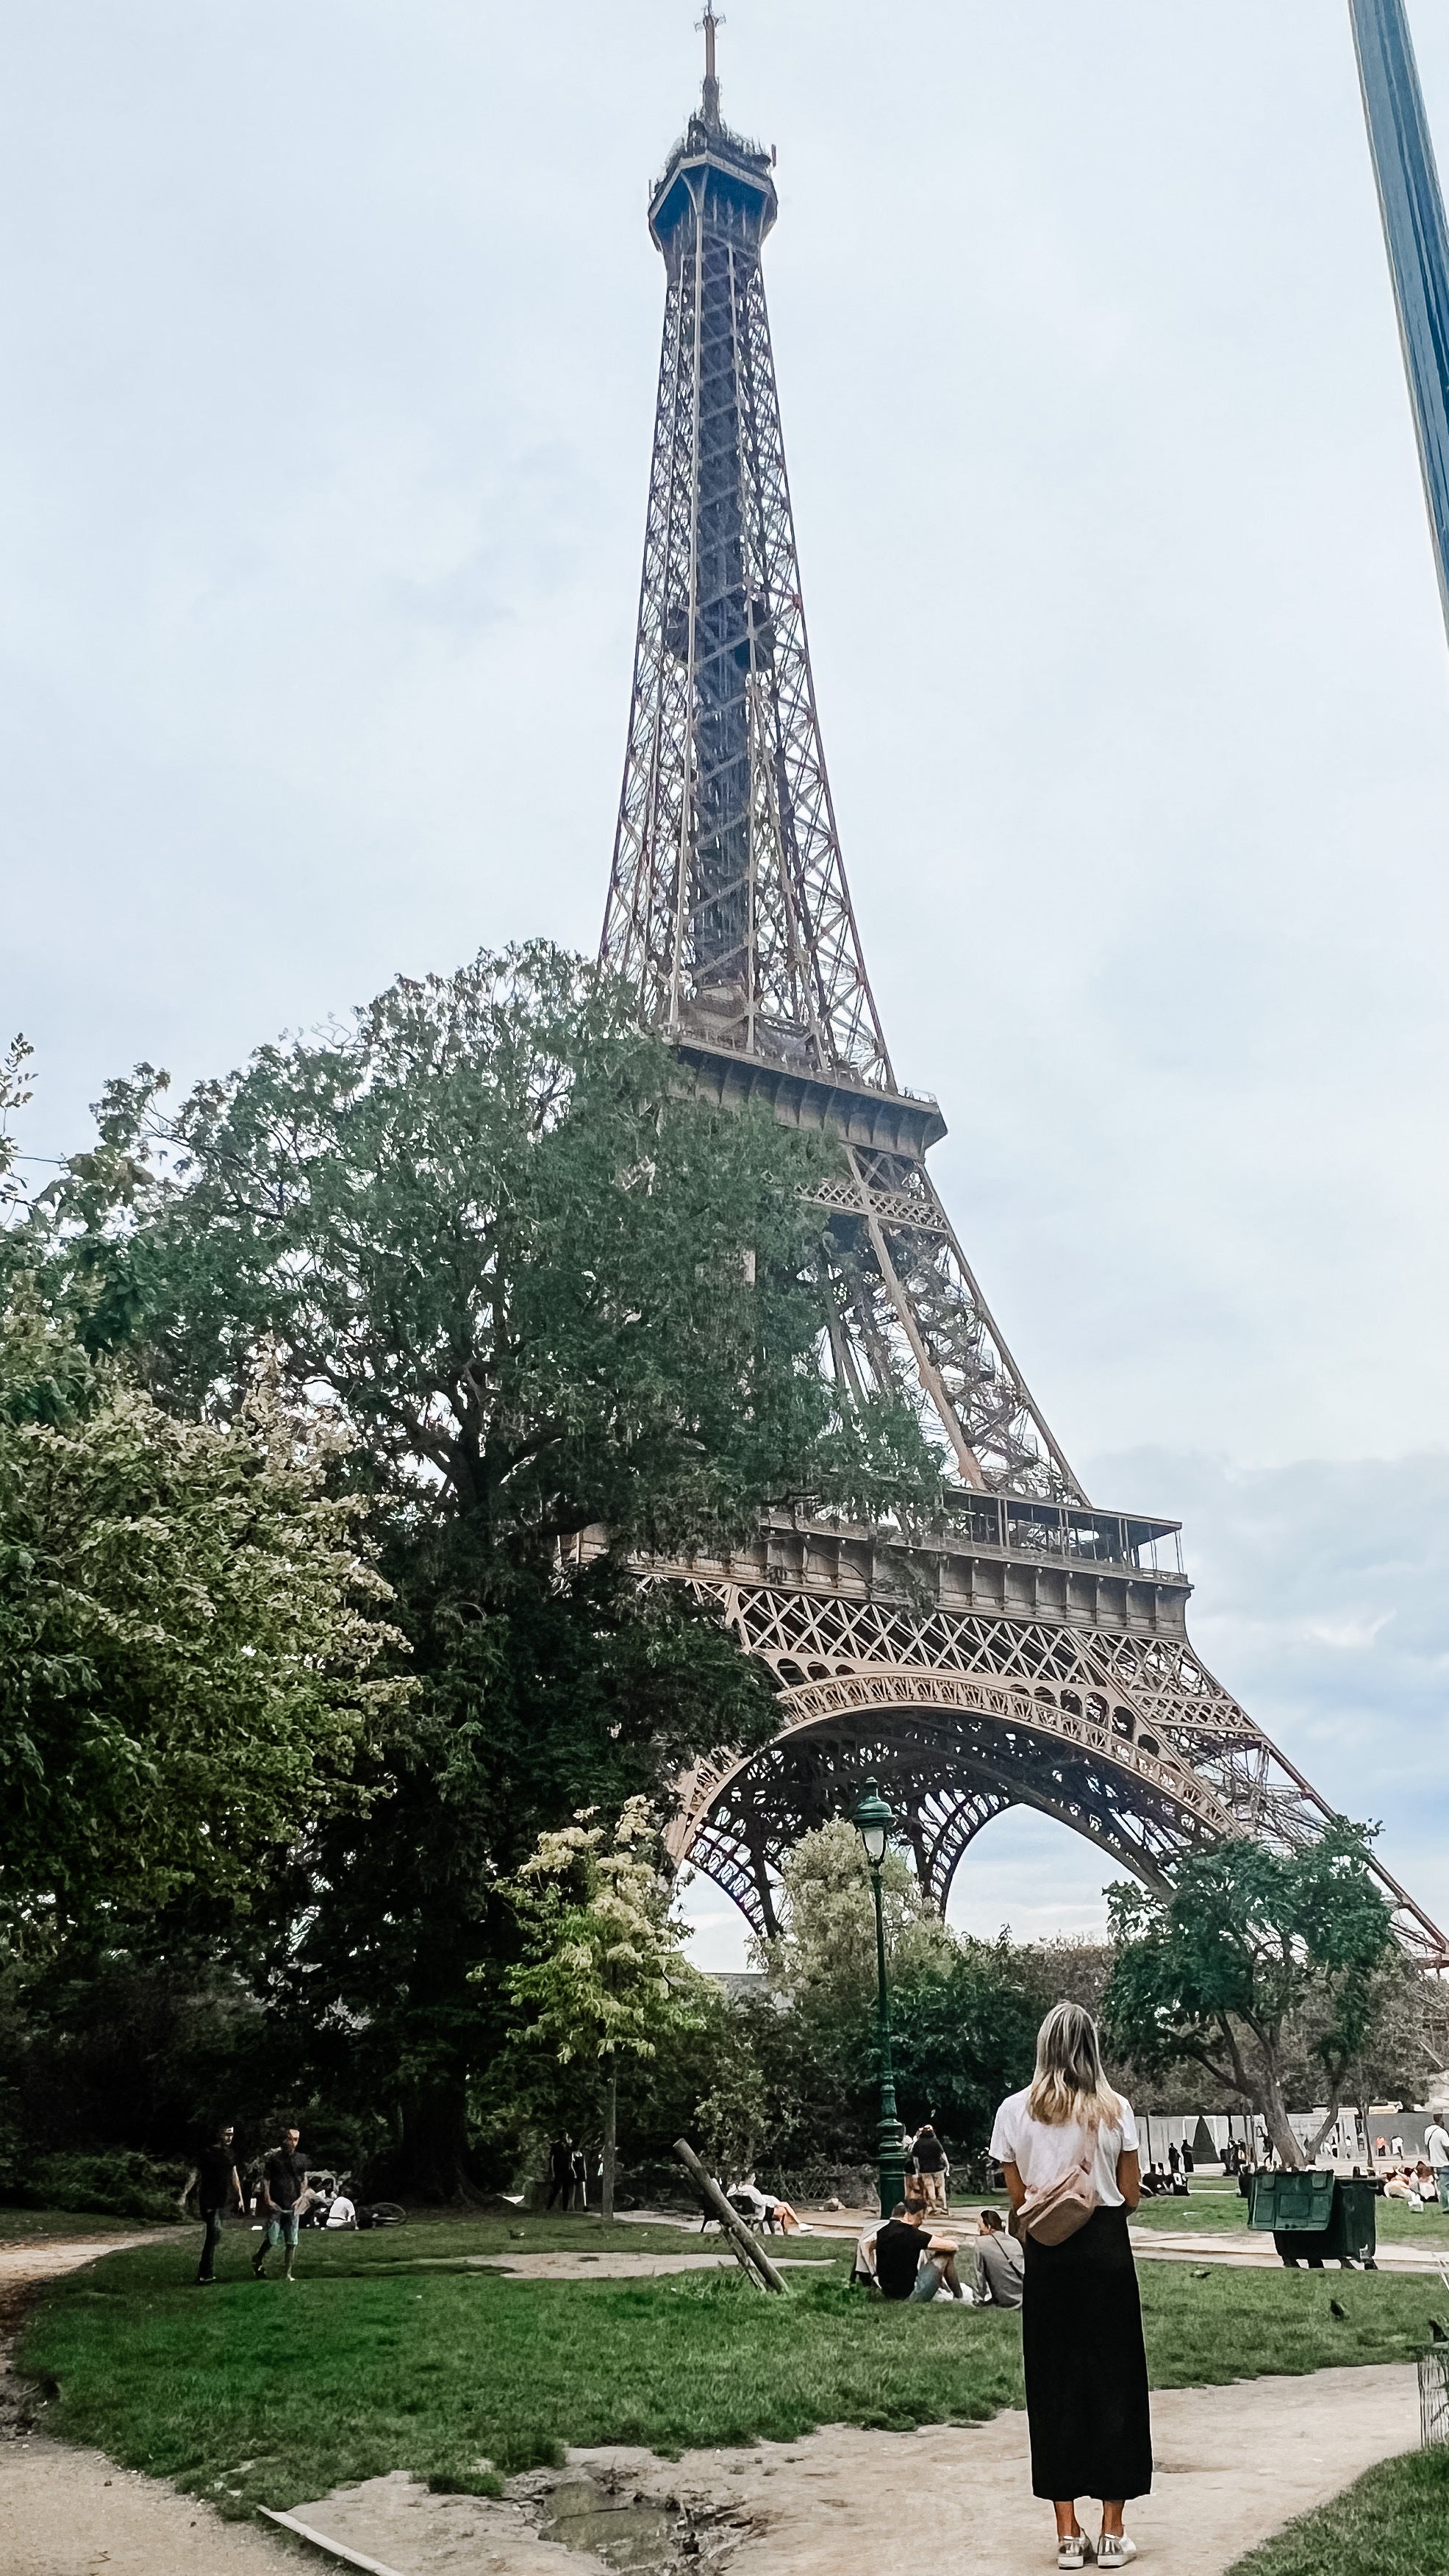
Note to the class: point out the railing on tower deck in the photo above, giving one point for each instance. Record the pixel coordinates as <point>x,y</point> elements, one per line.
<point>1020,1527</point>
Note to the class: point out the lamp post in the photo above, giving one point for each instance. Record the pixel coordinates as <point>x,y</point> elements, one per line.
<point>873,1819</point>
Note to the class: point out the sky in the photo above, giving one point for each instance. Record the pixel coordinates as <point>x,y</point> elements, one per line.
<point>331,342</point>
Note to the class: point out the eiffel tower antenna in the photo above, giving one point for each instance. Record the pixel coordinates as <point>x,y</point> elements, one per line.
<point>709,106</point>
<point>1034,1652</point>
<point>1417,240</point>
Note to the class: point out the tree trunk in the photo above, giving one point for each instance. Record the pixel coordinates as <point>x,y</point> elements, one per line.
<point>1275,2112</point>
<point>611,2132</point>
<point>432,2161</point>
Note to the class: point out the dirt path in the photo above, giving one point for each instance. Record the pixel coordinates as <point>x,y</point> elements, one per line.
<point>556,2266</point>
<point>74,2513</point>
<point>1232,2465</point>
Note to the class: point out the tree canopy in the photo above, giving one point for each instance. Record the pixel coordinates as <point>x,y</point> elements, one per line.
<point>602,1974</point>
<point>545,1285</point>
<point>194,1643</point>
<point>1248,1953</point>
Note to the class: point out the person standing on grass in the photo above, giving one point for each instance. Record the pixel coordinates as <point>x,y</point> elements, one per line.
<point>284,2180</point>
<point>928,2157</point>
<point>560,2171</point>
<point>215,2181</point>
<point>579,2176</point>
<point>1082,2350</point>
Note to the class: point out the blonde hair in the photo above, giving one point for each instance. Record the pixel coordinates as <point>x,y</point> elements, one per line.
<point>1069,2083</point>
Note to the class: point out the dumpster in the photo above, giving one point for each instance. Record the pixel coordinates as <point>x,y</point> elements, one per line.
<point>1316,2218</point>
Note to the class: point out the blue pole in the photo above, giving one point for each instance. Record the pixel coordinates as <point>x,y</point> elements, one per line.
<point>1417,239</point>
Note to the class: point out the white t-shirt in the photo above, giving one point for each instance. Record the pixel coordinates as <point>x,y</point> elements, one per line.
<point>1042,2155</point>
<point>341,2213</point>
<point>1436,2142</point>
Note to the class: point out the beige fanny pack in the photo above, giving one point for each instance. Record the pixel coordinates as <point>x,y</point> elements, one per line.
<point>1056,2212</point>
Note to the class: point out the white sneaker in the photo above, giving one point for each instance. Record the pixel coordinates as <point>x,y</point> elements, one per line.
<point>1114,2549</point>
<point>1074,2551</point>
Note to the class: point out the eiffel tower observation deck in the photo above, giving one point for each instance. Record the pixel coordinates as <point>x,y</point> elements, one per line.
<point>1032,1651</point>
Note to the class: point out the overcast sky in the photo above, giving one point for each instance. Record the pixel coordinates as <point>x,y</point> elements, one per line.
<point>331,341</point>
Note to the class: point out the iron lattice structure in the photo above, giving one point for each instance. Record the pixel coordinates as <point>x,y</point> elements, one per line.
<point>1036,1651</point>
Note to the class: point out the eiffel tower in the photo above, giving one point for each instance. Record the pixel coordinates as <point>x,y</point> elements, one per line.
<point>1033,1650</point>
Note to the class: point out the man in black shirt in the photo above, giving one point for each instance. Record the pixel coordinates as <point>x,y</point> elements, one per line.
<point>284,2180</point>
<point>213,2177</point>
<point>901,2273</point>
<point>899,2246</point>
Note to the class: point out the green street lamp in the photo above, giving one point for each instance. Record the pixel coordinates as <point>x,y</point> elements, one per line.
<point>873,1821</point>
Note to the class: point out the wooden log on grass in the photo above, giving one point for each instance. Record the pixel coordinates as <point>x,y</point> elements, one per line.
<point>745,2246</point>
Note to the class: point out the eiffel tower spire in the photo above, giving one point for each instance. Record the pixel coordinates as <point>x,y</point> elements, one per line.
<point>728,905</point>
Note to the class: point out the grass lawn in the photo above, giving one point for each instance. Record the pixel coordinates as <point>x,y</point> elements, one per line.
<point>1394,2522</point>
<point>259,2394</point>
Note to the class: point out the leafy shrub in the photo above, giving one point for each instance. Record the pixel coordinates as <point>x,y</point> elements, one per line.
<point>116,2185</point>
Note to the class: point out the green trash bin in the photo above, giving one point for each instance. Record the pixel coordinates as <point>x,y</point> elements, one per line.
<point>1316,2218</point>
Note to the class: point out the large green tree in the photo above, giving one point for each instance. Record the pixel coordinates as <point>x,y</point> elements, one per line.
<point>1253,1956</point>
<point>564,1310</point>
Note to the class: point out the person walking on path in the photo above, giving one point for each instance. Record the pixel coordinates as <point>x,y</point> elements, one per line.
<point>284,2180</point>
<point>216,2183</point>
<point>1082,2350</point>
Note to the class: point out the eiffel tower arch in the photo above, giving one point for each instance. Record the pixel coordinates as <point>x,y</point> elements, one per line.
<point>1033,1651</point>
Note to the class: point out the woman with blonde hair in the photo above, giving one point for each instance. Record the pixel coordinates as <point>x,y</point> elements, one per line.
<point>1068,2146</point>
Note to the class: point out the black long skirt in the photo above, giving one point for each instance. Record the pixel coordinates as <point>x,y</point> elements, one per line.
<point>1086,2370</point>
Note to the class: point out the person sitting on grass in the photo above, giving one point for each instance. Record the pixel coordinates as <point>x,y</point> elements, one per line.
<point>341,2212</point>
<point>1000,2264</point>
<point>862,2274</point>
<point>284,2181</point>
<point>912,2264</point>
